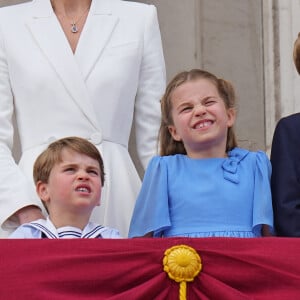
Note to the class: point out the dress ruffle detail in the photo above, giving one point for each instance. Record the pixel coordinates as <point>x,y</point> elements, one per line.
<point>230,165</point>
<point>210,234</point>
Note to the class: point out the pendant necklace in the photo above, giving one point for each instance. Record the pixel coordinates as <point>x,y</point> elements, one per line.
<point>74,27</point>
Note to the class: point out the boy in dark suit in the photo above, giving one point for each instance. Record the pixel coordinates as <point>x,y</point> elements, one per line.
<point>285,159</point>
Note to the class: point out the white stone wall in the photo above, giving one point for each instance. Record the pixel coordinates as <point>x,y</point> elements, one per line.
<point>282,82</point>
<point>11,2</point>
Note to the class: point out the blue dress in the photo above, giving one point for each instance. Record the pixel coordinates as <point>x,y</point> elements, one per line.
<point>213,197</point>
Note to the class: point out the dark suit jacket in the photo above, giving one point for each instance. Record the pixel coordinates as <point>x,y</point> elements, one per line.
<point>285,180</point>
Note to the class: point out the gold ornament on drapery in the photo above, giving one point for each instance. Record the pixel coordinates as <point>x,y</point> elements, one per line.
<point>182,263</point>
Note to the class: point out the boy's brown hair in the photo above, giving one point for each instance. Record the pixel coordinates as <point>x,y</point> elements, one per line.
<point>52,155</point>
<point>296,53</point>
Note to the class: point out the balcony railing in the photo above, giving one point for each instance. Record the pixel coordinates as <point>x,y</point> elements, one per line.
<point>132,269</point>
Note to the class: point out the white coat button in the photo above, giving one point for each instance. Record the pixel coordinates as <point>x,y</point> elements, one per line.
<point>96,138</point>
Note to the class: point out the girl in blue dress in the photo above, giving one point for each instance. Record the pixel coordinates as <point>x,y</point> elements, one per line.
<point>202,184</point>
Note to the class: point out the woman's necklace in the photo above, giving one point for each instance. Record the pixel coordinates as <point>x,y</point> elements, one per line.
<point>74,27</point>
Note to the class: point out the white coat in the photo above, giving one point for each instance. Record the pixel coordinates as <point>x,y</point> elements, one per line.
<point>116,73</point>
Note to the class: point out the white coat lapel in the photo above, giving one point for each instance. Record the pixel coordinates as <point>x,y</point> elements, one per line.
<point>51,39</point>
<point>95,36</point>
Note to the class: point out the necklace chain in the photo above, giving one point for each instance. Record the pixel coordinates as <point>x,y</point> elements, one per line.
<point>74,27</point>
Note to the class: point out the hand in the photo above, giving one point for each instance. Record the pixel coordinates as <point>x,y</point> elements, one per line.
<point>29,213</point>
<point>266,230</point>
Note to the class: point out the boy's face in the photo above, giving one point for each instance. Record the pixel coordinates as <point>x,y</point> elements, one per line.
<point>74,184</point>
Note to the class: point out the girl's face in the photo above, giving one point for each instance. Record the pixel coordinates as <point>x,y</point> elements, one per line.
<point>74,184</point>
<point>200,119</point>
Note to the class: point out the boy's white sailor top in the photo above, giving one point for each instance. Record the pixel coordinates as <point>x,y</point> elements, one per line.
<point>45,229</point>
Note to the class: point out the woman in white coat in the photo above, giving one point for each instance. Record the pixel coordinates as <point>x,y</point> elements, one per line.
<point>89,68</point>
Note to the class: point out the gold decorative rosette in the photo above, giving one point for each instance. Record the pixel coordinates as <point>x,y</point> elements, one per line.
<point>182,263</point>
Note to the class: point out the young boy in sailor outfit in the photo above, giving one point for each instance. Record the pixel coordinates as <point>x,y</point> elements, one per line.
<point>69,176</point>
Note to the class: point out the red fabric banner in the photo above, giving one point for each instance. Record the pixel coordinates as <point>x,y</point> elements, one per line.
<point>132,269</point>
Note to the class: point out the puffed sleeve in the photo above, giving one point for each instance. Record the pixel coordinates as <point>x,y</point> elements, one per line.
<point>151,212</point>
<point>110,233</point>
<point>262,206</point>
<point>152,82</point>
<point>25,232</point>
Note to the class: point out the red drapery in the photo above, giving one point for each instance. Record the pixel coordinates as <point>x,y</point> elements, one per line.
<point>131,269</point>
